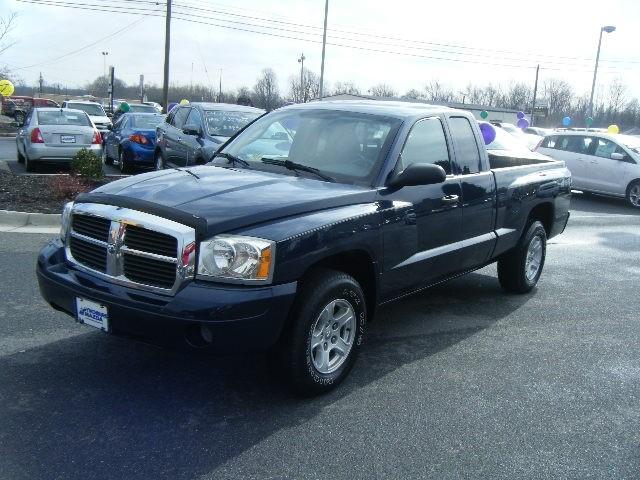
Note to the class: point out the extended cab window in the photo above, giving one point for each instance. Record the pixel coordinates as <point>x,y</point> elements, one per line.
<point>549,142</point>
<point>466,145</point>
<point>426,143</point>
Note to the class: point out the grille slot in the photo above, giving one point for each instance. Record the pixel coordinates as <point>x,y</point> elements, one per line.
<point>94,227</point>
<point>149,271</point>
<point>145,240</point>
<point>89,254</point>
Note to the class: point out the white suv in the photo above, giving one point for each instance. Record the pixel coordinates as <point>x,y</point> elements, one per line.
<point>95,111</point>
<point>599,162</point>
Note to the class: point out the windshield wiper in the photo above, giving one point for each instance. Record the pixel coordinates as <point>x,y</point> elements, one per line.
<point>296,167</point>
<point>232,158</point>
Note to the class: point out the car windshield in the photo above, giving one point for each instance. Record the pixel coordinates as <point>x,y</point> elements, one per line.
<point>61,117</point>
<point>89,108</point>
<point>226,123</point>
<point>505,141</point>
<point>142,108</point>
<point>146,121</point>
<point>348,147</point>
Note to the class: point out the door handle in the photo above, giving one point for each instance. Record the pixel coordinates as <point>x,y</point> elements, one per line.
<point>593,161</point>
<point>450,199</point>
<point>179,139</point>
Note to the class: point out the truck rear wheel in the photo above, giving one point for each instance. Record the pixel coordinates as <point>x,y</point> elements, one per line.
<point>325,332</point>
<point>519,270</point>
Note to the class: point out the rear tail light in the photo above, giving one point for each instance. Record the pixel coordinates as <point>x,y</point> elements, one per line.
<point>36,136</point>
<point>97,138</point>
<point>141,139</point>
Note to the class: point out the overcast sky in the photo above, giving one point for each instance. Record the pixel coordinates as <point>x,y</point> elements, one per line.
<point>499,41</point>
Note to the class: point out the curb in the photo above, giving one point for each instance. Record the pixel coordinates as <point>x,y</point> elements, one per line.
<point>7,135</point>
<point>29,222</point>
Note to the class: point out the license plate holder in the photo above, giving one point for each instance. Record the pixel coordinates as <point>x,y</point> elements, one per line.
<point>92,313</point>
<point>67,139</point>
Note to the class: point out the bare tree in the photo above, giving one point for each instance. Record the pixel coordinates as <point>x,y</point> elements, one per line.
<point>616,99</point>
<point>383,90</point>
<point>266,92</point>
<point>518,96</point>
<point>7,24</point>
<point>413,94</point>
<point>435,91</point>
<point>560,95</point>
<point>244,97</point>
<point>348,88</point>
<point>309,89</point>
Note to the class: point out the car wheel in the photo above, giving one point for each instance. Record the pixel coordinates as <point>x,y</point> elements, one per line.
<point>633,194</point>
<point>324,333</point>
<point>122,163</point>
<point>159,161</point>
<point>519,270</point>
<point>106,159</point>
<point>20,155</point>
<point>29,165</point>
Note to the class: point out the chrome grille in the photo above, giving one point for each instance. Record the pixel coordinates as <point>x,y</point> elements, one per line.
<point>150,241</point>
<point>131,248</point>
<point>91,226</point>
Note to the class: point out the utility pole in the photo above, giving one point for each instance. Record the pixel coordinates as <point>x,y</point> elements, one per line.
<point>191,82</point>
<point>41,83</point>
<point>112,77</point>
<point>535,94</point>
<point>167,46</point>
<point>220,87</point>
<point>302,92</point>
<point>324,43</point>
<point>607,29</point>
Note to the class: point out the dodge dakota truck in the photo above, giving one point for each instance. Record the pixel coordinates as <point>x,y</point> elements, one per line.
<point>299,227</point>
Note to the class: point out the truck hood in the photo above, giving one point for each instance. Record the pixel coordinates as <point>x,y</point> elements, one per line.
<point>228,199</point>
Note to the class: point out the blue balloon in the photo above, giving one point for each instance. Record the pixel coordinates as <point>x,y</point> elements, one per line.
<point>566,121</point>
<point>488,132</point>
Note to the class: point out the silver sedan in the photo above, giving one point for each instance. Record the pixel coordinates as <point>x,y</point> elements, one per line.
<point>55,135</point>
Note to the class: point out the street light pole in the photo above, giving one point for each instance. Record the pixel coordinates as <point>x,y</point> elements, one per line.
<point>104,63</point>
<point>607,29</point>
<point>167,47</point>
<point>301,62</point>
<point>324,44</point>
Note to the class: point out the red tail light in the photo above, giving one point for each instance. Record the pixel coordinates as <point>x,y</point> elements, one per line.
<point>36,136</point>
<point>141,139</point>
<point>97,138</point>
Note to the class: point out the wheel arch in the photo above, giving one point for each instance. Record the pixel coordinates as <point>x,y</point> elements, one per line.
<point>544,213</point>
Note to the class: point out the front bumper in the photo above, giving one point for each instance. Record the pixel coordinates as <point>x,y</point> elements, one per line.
<point>238,318</point>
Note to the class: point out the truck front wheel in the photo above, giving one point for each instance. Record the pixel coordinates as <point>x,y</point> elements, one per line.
<point>519,270</point>
<point>325,332</point>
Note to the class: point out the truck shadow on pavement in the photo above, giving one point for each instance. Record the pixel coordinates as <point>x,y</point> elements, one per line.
<point>94,406</point>
<point>600,205</point>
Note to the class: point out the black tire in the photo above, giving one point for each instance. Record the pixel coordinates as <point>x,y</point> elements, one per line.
<point>633,194</point>
<point>122,162</point>
<point>29,165</point>
<point>513,273</point>
<point>105,156</point>
<point>20,156</point>
<point>159,161</point>
<point>318,291</point>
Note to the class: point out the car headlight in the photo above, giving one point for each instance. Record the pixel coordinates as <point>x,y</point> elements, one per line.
<point>236,259</point>
<point>65,220</point>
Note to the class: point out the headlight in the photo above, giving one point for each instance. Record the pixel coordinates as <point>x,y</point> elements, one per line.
<point>236,259</point>
<point>65,220</point>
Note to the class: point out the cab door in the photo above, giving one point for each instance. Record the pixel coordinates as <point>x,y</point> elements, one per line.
<point>424,221</point>
<point>174,147</point>
<point>192,144</point>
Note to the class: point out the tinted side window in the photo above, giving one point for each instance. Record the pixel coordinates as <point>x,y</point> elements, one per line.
<point>426,143</point>
<point>467,154</point>
<point>578,144</point>
<point>549,142</point>
<point>194,118</point>
<point>604,148</point>
<point>180,116</point>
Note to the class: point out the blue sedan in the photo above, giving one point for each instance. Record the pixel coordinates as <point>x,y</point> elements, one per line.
<point>132,141</point>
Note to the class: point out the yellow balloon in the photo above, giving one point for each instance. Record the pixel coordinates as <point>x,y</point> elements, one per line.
<point>613,129</point>
<point>6,88</point>
<point>184,101</point>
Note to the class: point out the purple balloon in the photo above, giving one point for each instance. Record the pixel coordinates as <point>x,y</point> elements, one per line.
<point>520,115</point>
<point>523,123</point>
<point>171,106</point>
<point>488,133</point>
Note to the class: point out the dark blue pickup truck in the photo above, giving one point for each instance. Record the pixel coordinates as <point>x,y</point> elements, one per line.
<point>299,228</point>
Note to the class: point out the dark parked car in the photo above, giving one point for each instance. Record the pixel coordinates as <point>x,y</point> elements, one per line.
<point>19,107</point>
<point>131,141</point>
<point>192,133</point>
<point>294,251</point>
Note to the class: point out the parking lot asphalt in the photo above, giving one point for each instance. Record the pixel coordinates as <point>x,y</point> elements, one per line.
<point>462,381</point>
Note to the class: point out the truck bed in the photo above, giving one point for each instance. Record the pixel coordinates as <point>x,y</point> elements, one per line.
<point>506,159</point>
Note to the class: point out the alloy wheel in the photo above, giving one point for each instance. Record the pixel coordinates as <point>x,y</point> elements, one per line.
<point>332,336</point>
<point>534,259</point>
<point>634,195</point>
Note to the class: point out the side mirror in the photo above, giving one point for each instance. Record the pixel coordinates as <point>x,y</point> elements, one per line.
<point>617,156</point>
<point>419,174</point>
<point>110,114</point>
<point>192,129</point>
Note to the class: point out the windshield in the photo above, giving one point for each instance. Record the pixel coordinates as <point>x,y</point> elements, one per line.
<point>226,123</point>
<point>142,108</point>
<point>346,146</point>
<point>505,141</point>
<point>146,121</point>
<point>89,108</point>
<point>60,117</point>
